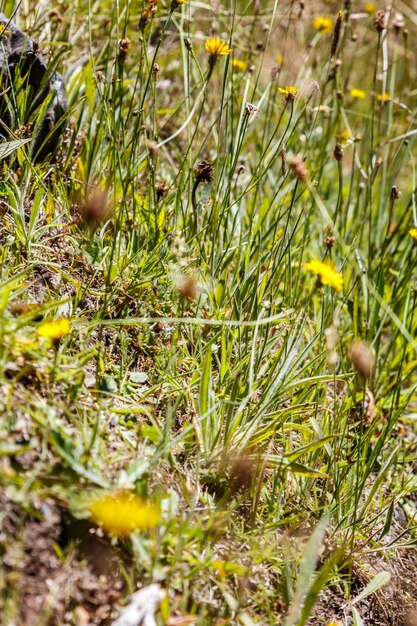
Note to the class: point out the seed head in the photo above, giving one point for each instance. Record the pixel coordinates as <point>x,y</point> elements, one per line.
<point>338,152</point>
<point>380,21</point>
<point>188,289</point>
<point>298,166</point>
<point>124,45</point>
<point>395,193</point>
<point>362,358</point>
<point>336,33</point>
<point>284,164</point>
<point>398,23</point>
<point>147,14</point>
<point>204,172</point>
<point>96,208</point>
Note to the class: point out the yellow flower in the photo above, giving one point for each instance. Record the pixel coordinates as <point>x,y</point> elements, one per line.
<point>177,3</point>
<point>240,65</point>
<point>413,232</point>
<point>344,136</point>
<point>290,91</point>
<point>370,7</point>
<point>323,24</point>
<point>327,274</point>
<point>217,48</point>
<point>55,329</point>
<point>360,94</point>
<point>122,513</point>
<point>383,97</point>
<point>279,59</point>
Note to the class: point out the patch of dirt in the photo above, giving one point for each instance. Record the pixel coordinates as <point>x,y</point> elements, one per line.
<point>78,583</point>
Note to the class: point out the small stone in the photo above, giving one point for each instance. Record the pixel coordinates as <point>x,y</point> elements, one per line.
<point>81,616</point>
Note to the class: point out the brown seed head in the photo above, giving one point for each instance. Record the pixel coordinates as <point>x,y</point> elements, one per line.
<point>242,472</point>
<point>204,172</point>
<point>336,33</point>
<point>188,290</point>
<point>395,193</point>
<point>338,152</point>
<point>161,188</point>
<point>147,13</point>
<point>124,45</point>
<point>380,21</point>
<point>284,164</point>
<point>362,358</point>
<point>298,166</point>
<point>96,208</point>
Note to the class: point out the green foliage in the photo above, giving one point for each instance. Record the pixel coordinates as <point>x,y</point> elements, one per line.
<point>207,367</point>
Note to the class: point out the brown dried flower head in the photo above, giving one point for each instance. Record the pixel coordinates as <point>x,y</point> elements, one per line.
<point>188,289</point>
<point>338,152</point>
<point>299,168</point>
<point>395,193</point>
<point>147,13</point>
<point>161,188</point>
<point>96,208</point>
<point>380,21</point>
<point>336,33</point>
<point>204,172</point>
<point>124,45</point>
<point>362,358</point>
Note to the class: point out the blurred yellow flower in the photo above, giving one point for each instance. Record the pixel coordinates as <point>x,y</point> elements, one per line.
<point>290,91</point>
<point>122,513</point>
<point>327,274</point>
<point>240,65</point>
<point>217,48</point>
<point>344,136</point>
<point>413,232</point>
<point>55,329</point>
<point>370,7</point>
<point>279,59</point>
<point>383,97</point>
<point>323,24</point>
<point>360,94</point>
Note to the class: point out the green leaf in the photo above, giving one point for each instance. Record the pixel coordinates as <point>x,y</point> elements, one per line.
<point>381,579</point>
<point>357,620</point>
<point>8,147</point>
<point>303,470</point>
<point>306,571</point>
<point>311,447</point>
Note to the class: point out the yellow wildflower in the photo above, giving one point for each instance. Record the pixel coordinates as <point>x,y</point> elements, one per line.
<point>359,94</point>
<point>383,97</point>
<point>344,136</point>
<point>122,513</point>
<point>370,7</point>
<point>323,24</point>
<point>217,48</point>
<point>240,65</point>
<point>327,274</point>
<point>290,91</point>
<point>279,59</point>
<point>413,232</point>
<point>177,3</point>
<point>55,329</point>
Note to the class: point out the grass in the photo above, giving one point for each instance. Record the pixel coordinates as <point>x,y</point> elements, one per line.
<point>258,407</point>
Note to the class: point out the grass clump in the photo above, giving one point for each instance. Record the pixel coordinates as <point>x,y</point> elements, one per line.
<point>207,305</point>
